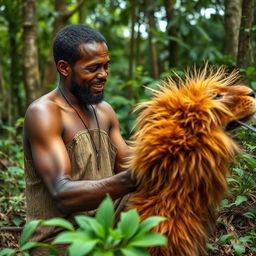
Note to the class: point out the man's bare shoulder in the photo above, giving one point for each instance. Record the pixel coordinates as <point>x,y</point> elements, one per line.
<point>108,113</point>
<point>43,112</point>
<point>105,107</point>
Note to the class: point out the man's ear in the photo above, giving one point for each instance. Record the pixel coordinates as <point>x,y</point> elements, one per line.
<point>63,67</point>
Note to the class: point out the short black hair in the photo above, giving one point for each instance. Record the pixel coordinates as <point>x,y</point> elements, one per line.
<point>67,41</point>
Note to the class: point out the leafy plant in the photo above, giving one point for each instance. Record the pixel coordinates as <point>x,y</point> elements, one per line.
<point>97,236</point>
<point>12,182</point>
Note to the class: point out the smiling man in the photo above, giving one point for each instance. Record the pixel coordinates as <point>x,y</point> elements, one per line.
<point>72,141</point>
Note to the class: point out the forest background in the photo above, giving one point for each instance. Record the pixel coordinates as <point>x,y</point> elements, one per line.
<point>148,40</point>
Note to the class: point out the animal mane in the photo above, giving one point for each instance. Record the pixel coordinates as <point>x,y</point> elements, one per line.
<point>180,155</point>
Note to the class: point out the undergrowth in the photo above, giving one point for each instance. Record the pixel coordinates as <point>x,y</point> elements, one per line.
<point>236,223</point>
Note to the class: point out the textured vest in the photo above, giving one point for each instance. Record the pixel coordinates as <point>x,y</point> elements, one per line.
<point>40,204</point>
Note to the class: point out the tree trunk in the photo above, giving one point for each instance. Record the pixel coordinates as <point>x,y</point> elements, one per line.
<point>152,44</point>
<point>81,16</point>
<point>50,71</point>
<point>30,54</point>
<point>17,107</point>
<point>132,41</point>
<point>232,20</point>
<point>3,94</point>
<point>172,32</point>
<point>138,39</point>
<point>244,54</point>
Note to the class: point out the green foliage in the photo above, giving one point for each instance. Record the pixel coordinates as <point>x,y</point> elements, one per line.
<point>242,187</point>
<point>124,95</point>
<point>12,183</point>
<point>97,236</point>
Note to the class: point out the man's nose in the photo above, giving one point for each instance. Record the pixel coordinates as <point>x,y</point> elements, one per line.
<point>102,74</point>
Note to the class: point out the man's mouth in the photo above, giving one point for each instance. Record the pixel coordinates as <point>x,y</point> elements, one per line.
<point>98,87</point>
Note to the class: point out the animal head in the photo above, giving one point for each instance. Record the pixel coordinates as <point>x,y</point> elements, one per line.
<point>191,114</point>
<point>180,154</point>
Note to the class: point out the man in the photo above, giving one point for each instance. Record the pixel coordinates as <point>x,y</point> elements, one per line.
<point>72,141</point>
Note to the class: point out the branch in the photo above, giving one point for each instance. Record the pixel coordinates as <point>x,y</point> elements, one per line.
<point>68,14</point>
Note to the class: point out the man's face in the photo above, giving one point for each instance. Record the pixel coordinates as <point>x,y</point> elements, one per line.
<point>90,72</point>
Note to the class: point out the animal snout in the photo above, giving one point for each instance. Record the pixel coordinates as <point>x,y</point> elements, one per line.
<point>251,94</point>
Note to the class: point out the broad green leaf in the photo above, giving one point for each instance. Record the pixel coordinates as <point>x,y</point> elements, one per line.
<point>83,221</point>
<point>60,223</point>
<point>129,223</point>
<point>15,170</point>
<point>28,230</point>
<point>27,254</point>
<point>149,239</point>
<point>211,247</point>
<point>231,180</point>
<point>7,252</point>
<point>105,213</point>
<point>133,251</point>
<point>250,215</point>
<point>17,221</point>
<point>240,199</point>
<point>238,171</point>
<point>251,161</point>
<point>203,33</point>
<point>80,248</point>
<point>9,129</point>
<point>253,249</point>
<point>245,239</point>
<point>149,223</point>
<point>70,237</point>
<point>97,228</point>
<point>100,253</point>
<point>239,249</point>
<point>120,100</point>
<point>225,203</point>
<point>115,234</point>
<point>225,238</point>
<point>30,245</point>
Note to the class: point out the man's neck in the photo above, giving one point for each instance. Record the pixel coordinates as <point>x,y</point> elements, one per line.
<point>72,99</point>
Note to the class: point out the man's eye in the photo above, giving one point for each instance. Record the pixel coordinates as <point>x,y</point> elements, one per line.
<point>218,97</point>
<point>92,69</point>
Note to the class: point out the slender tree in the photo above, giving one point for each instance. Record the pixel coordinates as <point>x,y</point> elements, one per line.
<point>81,16</point>
<point>172,32</point>
<point>3,93</point>
<point>232,20</point>
<point>244,54</point>
<point>132,40</point>
<point>30,52</point>
<point>138,39</point>
<point>12,16</point>
<point>151,34</point>
<point>61,7</point>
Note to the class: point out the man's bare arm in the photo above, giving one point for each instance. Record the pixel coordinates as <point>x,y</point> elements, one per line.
<point>117,140</point>
<point>43,130</point>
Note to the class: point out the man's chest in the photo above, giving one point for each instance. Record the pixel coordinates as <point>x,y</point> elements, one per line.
<point>73,122</point>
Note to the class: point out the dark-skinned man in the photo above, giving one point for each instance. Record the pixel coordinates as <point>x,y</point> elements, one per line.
<point>72,141</point>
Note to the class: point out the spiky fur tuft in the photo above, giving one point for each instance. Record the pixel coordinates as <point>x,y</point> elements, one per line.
<point>180,155</point>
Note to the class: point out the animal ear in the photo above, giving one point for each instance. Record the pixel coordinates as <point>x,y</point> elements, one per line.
<point>63,67</point>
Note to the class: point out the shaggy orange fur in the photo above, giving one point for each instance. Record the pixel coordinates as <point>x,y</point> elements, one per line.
<point>180,155</point>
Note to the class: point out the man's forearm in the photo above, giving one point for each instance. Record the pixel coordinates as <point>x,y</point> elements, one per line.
<point>73,196</point>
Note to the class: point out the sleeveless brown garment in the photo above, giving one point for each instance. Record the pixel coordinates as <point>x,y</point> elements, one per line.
<point>40,204</point>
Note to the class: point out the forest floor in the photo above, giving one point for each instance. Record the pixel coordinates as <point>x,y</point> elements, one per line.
<point>233,222</point>
<point>230,221</point>
<point>235,226</point>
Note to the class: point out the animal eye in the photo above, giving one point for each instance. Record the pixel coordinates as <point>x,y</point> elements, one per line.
<point>218,97</point>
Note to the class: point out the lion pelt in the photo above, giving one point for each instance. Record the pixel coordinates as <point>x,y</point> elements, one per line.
<point>180,154</point>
